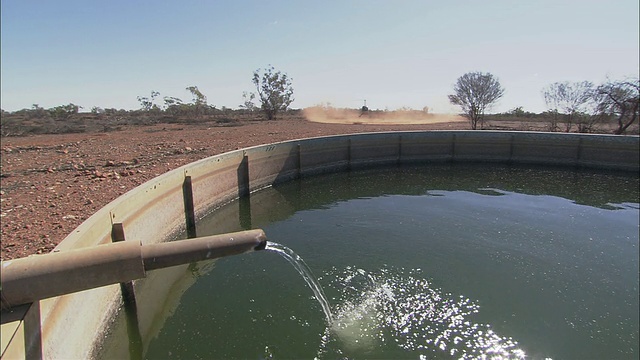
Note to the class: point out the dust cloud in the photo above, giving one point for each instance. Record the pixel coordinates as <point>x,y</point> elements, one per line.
<point>331,115</point>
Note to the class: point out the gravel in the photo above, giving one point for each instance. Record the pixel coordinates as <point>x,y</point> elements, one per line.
<point>50,184</point>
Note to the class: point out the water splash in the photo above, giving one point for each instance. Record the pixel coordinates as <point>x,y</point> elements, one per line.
<point>379,313</point>
<point>306,274</point>
<point>386,310</point>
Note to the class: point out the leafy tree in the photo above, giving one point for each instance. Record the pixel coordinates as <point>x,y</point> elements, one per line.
<point>199,101</point>
<point>37,111</point>
<point>198,97</point>
<point>171,101</point>
<point>475,92</point>
<point>570,99</point>
<point>173,105</point>
<point>96,110</point>
<point>620,99</point>
<point>63,112</point>
<point>147,104</point>
<point>274,90</point>
<point>517,112</point>
<point>247,101</point>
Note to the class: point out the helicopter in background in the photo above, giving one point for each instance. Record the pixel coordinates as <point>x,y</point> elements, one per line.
<point>364,110</point>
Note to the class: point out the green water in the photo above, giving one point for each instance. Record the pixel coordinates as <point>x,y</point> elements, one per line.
<point>443,261</point>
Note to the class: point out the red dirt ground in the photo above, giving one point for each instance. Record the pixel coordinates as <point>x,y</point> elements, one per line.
<point>50,184</point>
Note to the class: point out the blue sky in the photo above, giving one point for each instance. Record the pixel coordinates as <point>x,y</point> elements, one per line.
<point>391,53</point>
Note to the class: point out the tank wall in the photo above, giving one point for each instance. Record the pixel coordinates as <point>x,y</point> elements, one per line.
<point>482,146</point>
<point>377,149</point>
<point>324,154</point>
<point>546,148</point>
<point>438,146</point>
<point>599,151</point>
<point>73,326</point>
<point>215,180</point>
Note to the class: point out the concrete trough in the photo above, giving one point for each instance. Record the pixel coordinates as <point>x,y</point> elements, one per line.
<point>75,325</point>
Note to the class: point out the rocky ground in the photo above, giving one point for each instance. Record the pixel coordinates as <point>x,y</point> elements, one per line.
<point>51,183</point>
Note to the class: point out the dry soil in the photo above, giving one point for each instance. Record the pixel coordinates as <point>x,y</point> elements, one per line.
<point>50,184</point>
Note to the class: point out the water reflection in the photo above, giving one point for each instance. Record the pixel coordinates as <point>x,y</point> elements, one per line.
<point>592,188</point>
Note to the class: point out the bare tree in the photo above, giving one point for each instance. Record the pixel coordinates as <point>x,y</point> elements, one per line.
<point>475,92</point>
<point>569,98</point>
<point>274,90</point>
<point>622,100</point>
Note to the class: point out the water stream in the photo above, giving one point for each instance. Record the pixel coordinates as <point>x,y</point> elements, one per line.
<point>375,309</point>
<point>302,268</point>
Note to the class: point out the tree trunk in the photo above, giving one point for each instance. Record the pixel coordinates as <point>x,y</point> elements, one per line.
<point>271,114</point>
<point>622,126</point>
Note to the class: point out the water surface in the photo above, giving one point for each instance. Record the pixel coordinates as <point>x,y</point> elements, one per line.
<point>443,261</point>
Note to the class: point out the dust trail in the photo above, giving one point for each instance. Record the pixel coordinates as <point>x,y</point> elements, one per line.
<point>327,114</point>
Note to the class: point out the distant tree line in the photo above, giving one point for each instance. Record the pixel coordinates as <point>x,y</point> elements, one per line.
<point>571,106</point>
<point>175,106</point>
<point>61,112</point>
<point>575,105</point>
<point>274,90</point>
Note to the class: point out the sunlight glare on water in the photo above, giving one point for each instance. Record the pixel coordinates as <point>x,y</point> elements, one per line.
<point>392,308</point>
<point>387,307</point>
<point>436,262</point>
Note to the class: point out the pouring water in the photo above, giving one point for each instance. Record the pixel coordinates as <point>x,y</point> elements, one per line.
<point>306,274</point>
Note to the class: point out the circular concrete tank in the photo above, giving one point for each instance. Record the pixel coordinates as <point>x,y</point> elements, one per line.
<point>74,325</point>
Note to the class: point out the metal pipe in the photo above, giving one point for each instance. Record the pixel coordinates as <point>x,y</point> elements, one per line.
<point>33,278</point>
<point>156,256</point>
